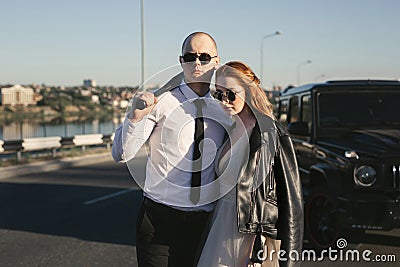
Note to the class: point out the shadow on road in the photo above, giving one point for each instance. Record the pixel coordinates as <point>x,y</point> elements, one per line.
<point>56,209</point>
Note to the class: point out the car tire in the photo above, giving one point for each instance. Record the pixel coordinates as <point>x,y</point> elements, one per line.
<point>322,229</point>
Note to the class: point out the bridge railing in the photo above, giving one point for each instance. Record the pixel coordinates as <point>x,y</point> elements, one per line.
<point>53,143</point>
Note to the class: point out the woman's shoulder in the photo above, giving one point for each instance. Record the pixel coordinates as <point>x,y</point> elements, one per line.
<point>267,124</point>
<point>281,129</point>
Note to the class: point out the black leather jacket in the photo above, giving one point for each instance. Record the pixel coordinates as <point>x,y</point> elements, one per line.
<point>269,194</point>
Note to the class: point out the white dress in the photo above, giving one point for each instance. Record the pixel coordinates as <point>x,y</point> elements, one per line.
<point>225,246</point>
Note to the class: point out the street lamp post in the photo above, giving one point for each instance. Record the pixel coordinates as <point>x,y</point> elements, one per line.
<point>142,41</point>
<point>298,69</point>
<point>262,53</point>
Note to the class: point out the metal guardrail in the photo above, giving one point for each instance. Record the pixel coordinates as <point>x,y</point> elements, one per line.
<point>40,143</point>
<point>53,143</point>
<point>88,139</point>
<point>13,145</point>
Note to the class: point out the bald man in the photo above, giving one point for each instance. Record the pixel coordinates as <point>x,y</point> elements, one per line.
<point>176,207</point>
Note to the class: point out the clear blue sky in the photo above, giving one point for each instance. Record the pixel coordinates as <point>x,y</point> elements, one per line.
<point>62,42</point>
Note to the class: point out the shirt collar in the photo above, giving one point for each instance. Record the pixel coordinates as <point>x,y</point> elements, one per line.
<point>190,95</point>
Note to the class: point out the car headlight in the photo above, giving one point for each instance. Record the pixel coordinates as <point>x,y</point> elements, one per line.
<point>364,176</point>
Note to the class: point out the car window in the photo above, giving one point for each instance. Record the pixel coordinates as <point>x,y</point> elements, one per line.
<point>359,109</point>
<point>283,110</point>
<point>306,113</point>
<point>294,112</point>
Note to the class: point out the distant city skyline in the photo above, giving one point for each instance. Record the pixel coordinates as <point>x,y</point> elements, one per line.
<point>61,43</point>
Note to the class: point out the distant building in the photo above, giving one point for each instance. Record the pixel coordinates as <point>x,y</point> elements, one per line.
<point>120,103</point>
<point>123,103</point>
<point>17,95</point>
<point>89,83</point>
<point>86,93</point>
<point>95,99</point>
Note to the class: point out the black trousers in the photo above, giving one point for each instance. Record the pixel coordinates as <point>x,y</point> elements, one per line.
<point>169,237</point>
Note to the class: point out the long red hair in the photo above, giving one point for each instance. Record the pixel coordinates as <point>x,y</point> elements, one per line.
<point>255,95</point>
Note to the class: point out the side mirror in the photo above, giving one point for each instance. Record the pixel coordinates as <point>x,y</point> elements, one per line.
<point>298,128</point>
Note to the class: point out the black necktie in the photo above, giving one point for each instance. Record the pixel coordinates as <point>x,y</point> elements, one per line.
<point>198,150</point>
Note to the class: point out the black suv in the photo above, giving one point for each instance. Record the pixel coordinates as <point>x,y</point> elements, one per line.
<point>347,139</point>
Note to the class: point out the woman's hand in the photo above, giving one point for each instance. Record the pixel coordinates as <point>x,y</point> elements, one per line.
<point>252,264</point>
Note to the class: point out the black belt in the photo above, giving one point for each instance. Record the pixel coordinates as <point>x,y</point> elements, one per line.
<point>152,204</point>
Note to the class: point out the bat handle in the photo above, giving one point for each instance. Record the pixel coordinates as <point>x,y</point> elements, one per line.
<point>140,104</point>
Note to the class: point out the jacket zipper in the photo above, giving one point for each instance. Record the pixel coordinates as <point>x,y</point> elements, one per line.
<point>253,192</point>
<point>272,201</point>
<point>271,175</point>
<point>271,180</point>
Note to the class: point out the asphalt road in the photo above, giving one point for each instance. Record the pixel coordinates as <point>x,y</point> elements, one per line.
<point>82,216</point>
<point>85,216</point>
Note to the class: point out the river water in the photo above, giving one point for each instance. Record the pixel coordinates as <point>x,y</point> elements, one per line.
<point>59,127</point>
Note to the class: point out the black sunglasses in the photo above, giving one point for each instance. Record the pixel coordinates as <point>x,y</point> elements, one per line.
<point>203,57</point>
<point>219,95</point>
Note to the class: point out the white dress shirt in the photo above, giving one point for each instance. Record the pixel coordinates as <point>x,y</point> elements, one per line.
<point>169,130</point>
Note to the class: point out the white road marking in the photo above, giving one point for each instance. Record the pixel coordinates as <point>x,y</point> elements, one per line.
<point>90,202</point>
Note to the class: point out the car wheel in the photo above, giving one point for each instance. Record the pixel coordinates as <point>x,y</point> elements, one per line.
<point>321,221</point>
